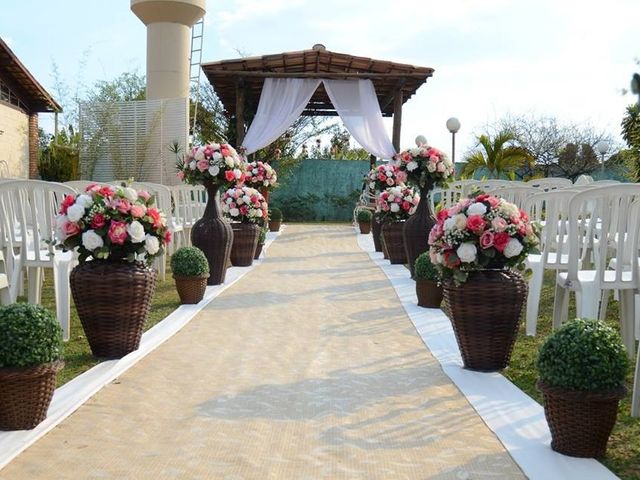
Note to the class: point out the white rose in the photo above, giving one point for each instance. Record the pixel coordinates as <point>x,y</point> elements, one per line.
<point>513,248</point>
<point>431,167</point>
<point>467,252</point>
<point>136,231</point>
<point>60,221</point>
<point>229,162</point>
<point>228,200</point>
<point>477,209</point>
<point>234,212</point>
<point>509,209</point>
<point>130,194</point>
<point>246,199</point>
<point>215,146</point>
<point>199,155</point>
<point>75,212</point>
<point>258,213</point>
<point>460,221</point>
<point>395,207</point>
<point>217,155</point>
<point>192,165</point>
<point>237,173</point>
<point>214,171</point>
<point>449,223</point>
<point>151,244</point>
<point>91,240</point>
<point>85,200</point>
<point>412,165</point>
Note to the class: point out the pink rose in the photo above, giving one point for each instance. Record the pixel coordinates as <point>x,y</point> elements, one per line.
<point>180,175</point>
<point>167,237</point>
<point>203,165</point>
<point>98,221</point>
<point>123,206</point>
<point>406,206</point>
<point>244,210</point>
<point>155,217</point>
<point>486,239</point>
<point>138,211</point>
<point>118,232</point>
<point>435,233</point>
<point>476,223</point>
<point>499,224</point>
<point>440,167</point>
<point>144,195</point>
<point>493,201</point>
<point>500,241</point>
<point>70,229</point>
<point>401,177</point>
<point>229,176</point>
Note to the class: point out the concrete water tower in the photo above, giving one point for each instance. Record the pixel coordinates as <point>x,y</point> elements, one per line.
<point>169,25</point>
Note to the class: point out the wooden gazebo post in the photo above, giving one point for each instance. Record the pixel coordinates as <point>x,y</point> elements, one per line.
<point>397,118</point>
<point>239,111</point>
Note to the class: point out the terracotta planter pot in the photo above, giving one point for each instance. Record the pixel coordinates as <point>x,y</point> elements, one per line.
<point>580,421</point>
<point>213,235</point>
<point>25,395</point>
<point>191,289</point>
<point>485,312</point>
<point>274,225</point>
<point>113,300</point>
<point>245,241</point>
<point>394,242</point>
<point>376,231</point>
<point>429,293</point>
<point>365,227</point>
<point>417,228</point>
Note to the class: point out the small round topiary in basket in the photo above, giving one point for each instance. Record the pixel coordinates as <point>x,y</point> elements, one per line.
<point>427,277</point>
<point>582,367</point>
<point>190,271</point>
<point>364,217</point>
<point>275,219</point>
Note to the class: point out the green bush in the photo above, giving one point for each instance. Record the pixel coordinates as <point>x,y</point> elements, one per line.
<point>29,335</point>
<point>583,355</point>
<point>59,163</point>
<point>275,214</point>
<point>425,270</point>
<point>364,215</point>
<point>263,234</point>
<point>189,262</point>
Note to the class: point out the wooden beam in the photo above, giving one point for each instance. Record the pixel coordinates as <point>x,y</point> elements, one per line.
<point>397,118</point>
<point>387,101</point>
<point>332,75</point>
<point>239,112</point>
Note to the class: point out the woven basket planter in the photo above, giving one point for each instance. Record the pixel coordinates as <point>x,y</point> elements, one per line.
<point>191,289</point>
<point>365,227</point>
<point>580,421</point>
<point>274,225</point>
<point>113,300</point>
<point>25,395</point>
<point>245,241</point>
<point>429,293</point>
<point>394,242</point>
<point>485,312</point>
<point>376,232</point>
<point>258,250</point>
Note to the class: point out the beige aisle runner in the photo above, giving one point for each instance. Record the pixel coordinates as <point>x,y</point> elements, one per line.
<point>307,368</point>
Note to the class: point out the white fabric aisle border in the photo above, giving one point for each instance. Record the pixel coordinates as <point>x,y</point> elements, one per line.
<point>72,395</point>
<point>517,420</point>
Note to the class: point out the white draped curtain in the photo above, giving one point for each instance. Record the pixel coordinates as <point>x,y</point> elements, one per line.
<point>283,99</point>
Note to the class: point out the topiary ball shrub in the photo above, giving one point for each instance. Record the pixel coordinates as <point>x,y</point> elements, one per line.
<point>425,270</point>
<point>189,262</point>
<point>364,216</point>
<point>583,355</point>
<point>275,214</point>
<point>29,335</point>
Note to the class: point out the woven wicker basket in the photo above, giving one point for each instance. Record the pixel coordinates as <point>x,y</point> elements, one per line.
<point>394,242</point>
<point>376,232</point>
<point>580,421</point>
<point>365,227</point>
<point>485,312</point>
<point>191,289</point>
<point>245,240</point>
<point>25,395</point>
<point>258,250</point>
<point>113,300</point>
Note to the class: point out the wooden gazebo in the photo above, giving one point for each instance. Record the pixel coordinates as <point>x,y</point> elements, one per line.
<point>239,82</point>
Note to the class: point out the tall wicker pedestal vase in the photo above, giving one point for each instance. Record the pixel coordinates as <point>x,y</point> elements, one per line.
<point>213,235</point>
<point>394,242</point>
<point>417,227</point>
<point>245,241</point>
<point>113,300</point>
<point>376,232</point>
<point>485,312</point>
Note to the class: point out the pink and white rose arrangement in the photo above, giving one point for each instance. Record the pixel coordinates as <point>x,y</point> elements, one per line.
<point>397,203</point>
<point>112,223</point>
<point>215,162</point>
<point>244,204</point>
<point>261,175</point>
<point>425,165</point>
<point>484,232</point>
<point>385,176</point>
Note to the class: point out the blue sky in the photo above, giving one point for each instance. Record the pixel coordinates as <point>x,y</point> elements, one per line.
<point>567,59</point>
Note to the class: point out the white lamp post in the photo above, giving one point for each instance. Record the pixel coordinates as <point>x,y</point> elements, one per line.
<point>421,140</point>
<point>602,148</point>
<point>453,125</point>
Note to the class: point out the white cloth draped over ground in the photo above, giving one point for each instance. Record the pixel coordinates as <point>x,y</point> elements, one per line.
<point>283,99</point>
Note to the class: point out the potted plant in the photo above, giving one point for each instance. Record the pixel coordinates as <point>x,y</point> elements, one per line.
<point>424,168</point>
<point>30,358</point>
<point>582,367</point>
<point>428,288</point>
<point>275,219</point>
<point>479,246</point>
<point>262,176</point>
<point>190,272</point>
<point>117,232</point>
<point>395,205</point>
<point>364,217</point>
<point>246,207</point>
<point>261,239</point>
<point>213,165</point>
<point>379,179</point>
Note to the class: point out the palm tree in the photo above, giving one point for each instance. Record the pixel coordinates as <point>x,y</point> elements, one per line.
<point>499,156</point>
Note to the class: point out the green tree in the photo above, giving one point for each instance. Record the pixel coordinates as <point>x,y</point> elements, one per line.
<point>631,135</point>
<point>575,160</point>
<point>497,157</point>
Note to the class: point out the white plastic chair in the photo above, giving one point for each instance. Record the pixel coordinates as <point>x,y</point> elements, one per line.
<point>4,169</point>
<point>189,204</point>
<point>616,214</point>
<point>446,197</point>
<point>5,298</point>
<point>80,186</point>
<point>35,204</point>
<point>604,183</point>
<point>485,185</point>
<point>549,183</point>
<point>550,209</point>
<point>516,194</point>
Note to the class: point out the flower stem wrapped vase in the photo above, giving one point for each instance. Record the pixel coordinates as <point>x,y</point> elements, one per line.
<point>417,228</point>
<point>477,244</point>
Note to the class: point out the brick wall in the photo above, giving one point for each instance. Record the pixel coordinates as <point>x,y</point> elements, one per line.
<point>33,145</point>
